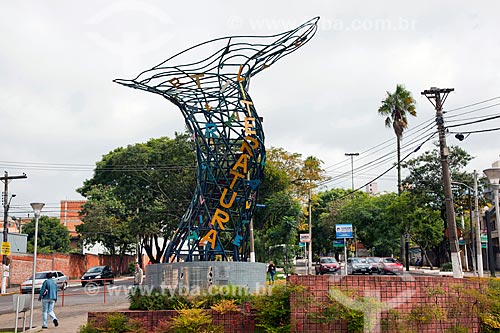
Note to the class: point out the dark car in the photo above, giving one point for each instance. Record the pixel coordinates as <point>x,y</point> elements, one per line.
<point>327,265</point>
<point>358,265</point>
<point>98,275</point>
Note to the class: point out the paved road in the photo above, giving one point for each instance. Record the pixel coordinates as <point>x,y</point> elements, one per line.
<point>72,311</point>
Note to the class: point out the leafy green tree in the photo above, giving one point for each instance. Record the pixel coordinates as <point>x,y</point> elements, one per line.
<point>423,224</point>
<point>425,185</point>
<point>52,235</point>
<point>155,182</point>
<point>277,237</point>
<point>105,221</point>
<point>396,108</point>
<point>326,209</point>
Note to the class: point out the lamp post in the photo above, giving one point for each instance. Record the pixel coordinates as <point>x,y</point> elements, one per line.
<point>37,209</point>
<point>493,175</point>
<point>479,251</point>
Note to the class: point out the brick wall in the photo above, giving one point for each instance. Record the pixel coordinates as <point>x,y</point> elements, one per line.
<point>400,303</point>
<point>235,322</point>
<point>72,265</point>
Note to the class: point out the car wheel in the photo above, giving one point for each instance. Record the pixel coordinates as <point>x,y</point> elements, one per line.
<point>64,286</point>
<point>112,281</point>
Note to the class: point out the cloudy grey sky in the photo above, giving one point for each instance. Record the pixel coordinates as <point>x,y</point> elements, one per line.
<point>60,110</point>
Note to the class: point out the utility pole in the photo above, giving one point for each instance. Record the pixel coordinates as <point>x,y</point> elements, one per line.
<point>352,167</point>
<point>6,203</point>
<point>309,258</point>
<point>479,250</point>
<point>437,97</point>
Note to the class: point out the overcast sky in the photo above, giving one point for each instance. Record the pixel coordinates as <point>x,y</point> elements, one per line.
<point>61,112</point>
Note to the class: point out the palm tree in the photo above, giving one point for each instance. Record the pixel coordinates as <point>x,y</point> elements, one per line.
<point>395,108</point>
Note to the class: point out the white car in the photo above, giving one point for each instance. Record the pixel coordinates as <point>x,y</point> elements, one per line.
<point>60,279</point>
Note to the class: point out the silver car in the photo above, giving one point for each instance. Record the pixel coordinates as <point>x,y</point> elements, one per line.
<point>358,265</point>
<point>60,279</point>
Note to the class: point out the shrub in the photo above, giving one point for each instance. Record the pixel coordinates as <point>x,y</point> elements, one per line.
<point>272,310</point>
<point>447,267</point>
<point>225,306</point>
<point>114,323</point>
<point>190,320</point>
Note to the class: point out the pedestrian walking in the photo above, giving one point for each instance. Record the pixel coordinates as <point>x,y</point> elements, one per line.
<point>271,269</point>
<point>48,297</point>
<point>138,275</point>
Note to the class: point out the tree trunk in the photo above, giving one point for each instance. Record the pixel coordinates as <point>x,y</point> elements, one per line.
<point>402,253</point>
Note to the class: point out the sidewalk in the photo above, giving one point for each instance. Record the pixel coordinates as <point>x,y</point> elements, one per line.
<point>71,317</point>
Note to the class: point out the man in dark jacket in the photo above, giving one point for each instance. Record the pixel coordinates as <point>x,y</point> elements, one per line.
<point>48,296</point>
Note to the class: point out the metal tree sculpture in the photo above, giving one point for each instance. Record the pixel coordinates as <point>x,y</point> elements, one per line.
<point>212,94</point>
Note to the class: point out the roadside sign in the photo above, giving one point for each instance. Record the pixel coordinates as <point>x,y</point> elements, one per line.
<point>6,248</point>
<point>461,242</point>
<point>484,238</point>
<point>301,244</point>
<point>343,231</point>
<point>338,243</point>
<point>483,245</point>
<point>304,238</point>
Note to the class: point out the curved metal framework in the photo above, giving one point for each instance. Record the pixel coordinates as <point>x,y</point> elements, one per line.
<point>212,95</point>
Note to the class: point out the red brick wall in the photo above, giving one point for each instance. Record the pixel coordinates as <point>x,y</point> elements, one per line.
<point>72,265</point>
<point>235,322</point>
<point>443,297</point>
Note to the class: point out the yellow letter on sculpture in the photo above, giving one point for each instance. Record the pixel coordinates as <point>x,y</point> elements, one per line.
<point>220,217</point>
<point>210,237</point>
<point>245,147</point>
<point>175,82</point>
<point>236,176</point>
<point>241,163</point>
<point>249,128</point>
<point>223,196</point>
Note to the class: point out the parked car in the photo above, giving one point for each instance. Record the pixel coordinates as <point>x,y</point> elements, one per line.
<point>390,265</point>
<point>98,275</point>
<point>60,279</point>
<point>327,265</point>
<point>374,262</point>
<point>358,265</point>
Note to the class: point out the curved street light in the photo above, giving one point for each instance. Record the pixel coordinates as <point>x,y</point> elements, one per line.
<point>37,209</point>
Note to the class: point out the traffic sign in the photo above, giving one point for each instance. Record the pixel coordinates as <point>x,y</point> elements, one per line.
<point>6,248</point>
<point>338,243</point>
<point>343,231</point>
<point>304,238</point>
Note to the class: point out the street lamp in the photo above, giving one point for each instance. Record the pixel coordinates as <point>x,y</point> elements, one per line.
<point>493,175</point>
<point>309,202</point>
<point>479,251</point>
<point>37,209</point>
<point>6,207</point>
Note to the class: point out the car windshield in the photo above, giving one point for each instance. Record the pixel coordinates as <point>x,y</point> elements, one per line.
<point>39,276</point>
<point>390,260</point>
<point>358,260</point>
<point>95,270</point>
<point>328,261</point>
<point>373,259</point>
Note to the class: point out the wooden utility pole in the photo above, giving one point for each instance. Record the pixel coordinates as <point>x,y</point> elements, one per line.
<point>6,203</point>
<point>437,97</point>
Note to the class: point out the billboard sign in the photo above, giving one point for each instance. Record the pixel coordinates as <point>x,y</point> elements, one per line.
<point>343,231</point>
<point>304,238</point>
